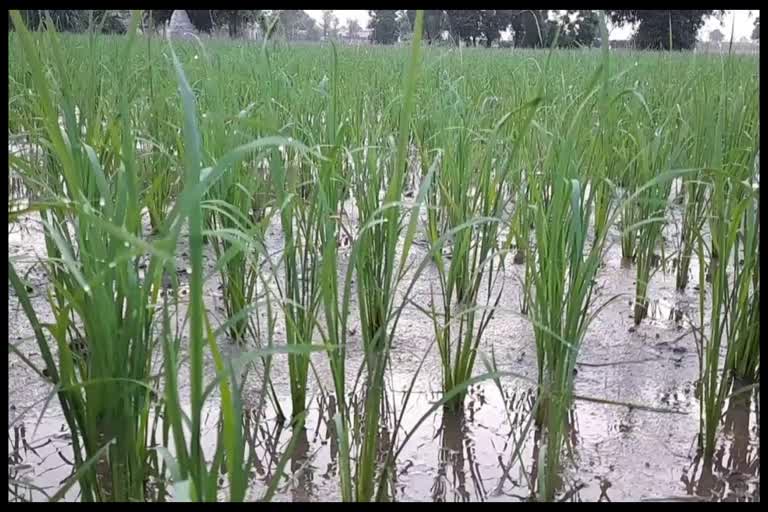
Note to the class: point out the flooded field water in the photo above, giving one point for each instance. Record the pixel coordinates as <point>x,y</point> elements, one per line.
<point>633,428</point>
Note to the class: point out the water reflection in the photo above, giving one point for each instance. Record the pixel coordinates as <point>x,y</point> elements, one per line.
<point>331,438</point>
<point>458,476</point>
<point>301,469</point>
<point>519,405</point>
<point>535,458</point>
<point>732,475</point>
<point>451,456</point>
<point>568,455</point>
<point>38,467</point>
<point>262,439</point>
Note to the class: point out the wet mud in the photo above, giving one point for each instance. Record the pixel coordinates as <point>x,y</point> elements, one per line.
<point>633,430</point>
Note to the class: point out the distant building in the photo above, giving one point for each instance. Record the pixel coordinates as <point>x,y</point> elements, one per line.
<point>363,36</point>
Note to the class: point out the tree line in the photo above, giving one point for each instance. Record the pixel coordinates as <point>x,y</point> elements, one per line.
<point>656,29</point>
<point>292,24</point>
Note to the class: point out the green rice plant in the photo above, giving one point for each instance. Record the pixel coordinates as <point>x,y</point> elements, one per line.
<point>519,232</point>
<point>101,302</point>
<point>562,304</point>
<point>605,167</point>
<point>238,266</point>
<point>564,268</point>
<point>467,194</point>
<point>563,286</point>
<point>694,190</point>
<point>159,163</point>
<point>521,221</point>
<point>375,260</point>
<point>744,329</point>
<point>693,221</point>
<point>301,289</point>
<point>630,218</point>
<point>332,187</point>
<point>733,231</point>
<point>625,152</point>
<point>654,148</point>
<point>656,155</point>
<point>97,295</point>
<point>733,320</point>
<point>235,207</point>
<point>192,477</point>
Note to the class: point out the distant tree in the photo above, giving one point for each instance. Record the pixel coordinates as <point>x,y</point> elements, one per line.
<point>492,23</point>
<point>716,36</point>
<point>64,20</point>
<point>433,23</point>
<point>156,18</point>
<point>115,21</point>
<point>203,19</point>
<point>655,27</point>
<point>578,28</point>
<point>411,15</point>
<point>756,31</point>
<point>383,24</point>
<point>289,23</point>
<point>335,27</point>
<point>111,21</point>
<point>529,28</point>
<point>292,22</point>
<point>405,22</point>
<point>328,21</point>
<point>313,32</point>
<point>353,28</point>
<point>464,25</point>
<point>234,19</point>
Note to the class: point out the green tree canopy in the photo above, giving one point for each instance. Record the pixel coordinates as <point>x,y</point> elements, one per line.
<point>384,26</point>
<point>294,24</point>
<point>111,21</point>
<point>578,28</point>
<point>492,23</point>
<point>464,25</point>
<point>529,28</point>
<point>329,21</point>
<point>657,28</point>
<point>434,23</point>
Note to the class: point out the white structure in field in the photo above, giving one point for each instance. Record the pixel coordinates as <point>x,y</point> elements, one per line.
<point>180,26</point>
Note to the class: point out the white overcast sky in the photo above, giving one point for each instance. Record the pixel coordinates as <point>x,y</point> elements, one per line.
<point>743,28</point>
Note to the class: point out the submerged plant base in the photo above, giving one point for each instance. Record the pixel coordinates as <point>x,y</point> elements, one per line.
<point>455,406</point>
<point>641,310</point>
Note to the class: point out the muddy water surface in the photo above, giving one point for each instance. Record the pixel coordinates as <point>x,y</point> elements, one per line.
<point>633,433</point>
